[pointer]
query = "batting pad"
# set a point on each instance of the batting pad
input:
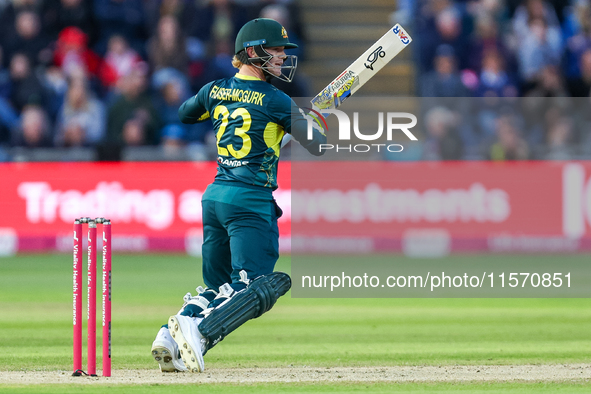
(259, 297)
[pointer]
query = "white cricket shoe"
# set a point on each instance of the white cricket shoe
(165, 351)
(185, 332)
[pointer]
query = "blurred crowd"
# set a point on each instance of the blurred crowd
(525, 64)
(500, 79)
(110, 74)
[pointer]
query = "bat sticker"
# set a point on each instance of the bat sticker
(373, 57)
(403, 37)
(337, 92)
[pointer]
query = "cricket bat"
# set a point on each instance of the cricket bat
(360, 71)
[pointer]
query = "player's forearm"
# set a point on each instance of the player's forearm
(299, 131)
(191, 111)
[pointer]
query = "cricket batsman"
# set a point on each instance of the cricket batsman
(240, 233)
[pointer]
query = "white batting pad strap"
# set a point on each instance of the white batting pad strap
(225, 291)
(206, 312)
(201, 302)
(244, 277)
(200, 290)
(186, 299)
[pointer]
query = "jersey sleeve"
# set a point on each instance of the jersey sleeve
(194, 109)
(294, 121)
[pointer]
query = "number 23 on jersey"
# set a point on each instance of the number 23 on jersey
(229, 149)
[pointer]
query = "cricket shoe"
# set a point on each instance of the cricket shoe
(166, 352)
(185, 332)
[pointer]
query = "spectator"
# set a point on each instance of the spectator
(534, 10)
(539, 47)
(8, 116)
(577, 36)
(581, 87)
(222, 59)
(446, 29)
(132, 118)
(540, 114)
(226, 19)
(173, 139)
(444, 81)
(187, 13)
(35, 129)
(26, 86)
(81, 118)
(495, 9)
(215, 67)
(4, 77)
(404, 14)
(218, 19)
(559, 143)
(56, 83)
(486, 39)
(508, 144)
(466, 43)
(72, 134)
(60, 14)
(442, 142)
(171, 96)
(173, 90)
(8, 17)
(119, 60)
(29, 40)
(174, 134)
(167, 49)
(202, 23)
(135, 130)
(548, 83)
(72, 54)
(494, 80)
(155, 9)
(122, 17)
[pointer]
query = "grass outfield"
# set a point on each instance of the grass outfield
(36, 328)
(447, 388)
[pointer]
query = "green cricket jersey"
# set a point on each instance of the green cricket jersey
(250, 117)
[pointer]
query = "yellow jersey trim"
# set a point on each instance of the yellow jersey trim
(246, 77)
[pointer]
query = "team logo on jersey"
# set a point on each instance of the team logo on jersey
(232, 163)
(283, 32)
